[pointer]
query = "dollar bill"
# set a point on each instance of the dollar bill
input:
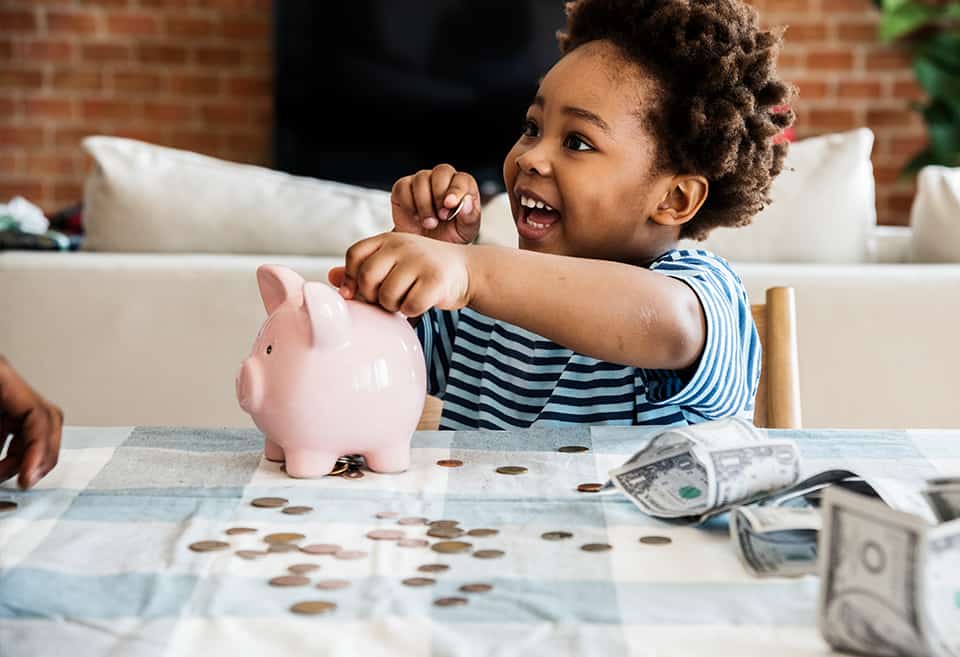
(889, 580)
(943, 496)
(776, 541)
(704, 469)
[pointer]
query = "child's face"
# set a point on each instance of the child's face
(585, 153)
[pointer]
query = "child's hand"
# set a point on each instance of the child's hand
(422, 203)
(405, 273)
(35, 424)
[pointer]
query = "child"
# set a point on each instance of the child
(656, 124)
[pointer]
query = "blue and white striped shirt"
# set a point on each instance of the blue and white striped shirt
(495, 375)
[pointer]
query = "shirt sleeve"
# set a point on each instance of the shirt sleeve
(724, 381)
(436, 332)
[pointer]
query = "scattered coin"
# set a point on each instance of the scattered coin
(573, 449)
(413, 543)
(445, 532)
(387, 514)
(289, 580)
(433, 568)
(480, 533)
(313, 607)
(450, 463)
(450, 602)
(450, 547)
(555, 536)
(656, 540)
(596, 547)
(488, 554)
(303, 568)
(269, 502)
(296, 510)
(240, 530)
(332, 584)
(511, 469)
(443, 523)
(589, 488)
(419, 581)
(349, 555)
(339, 468)
(208, 546)
(7, 505)
(283, 537)
(250, 555)
(412, 521)
(321, 548)
(282, 547)
(476, 588)
(385, 534)
(352, 474)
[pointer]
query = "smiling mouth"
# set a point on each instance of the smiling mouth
(536, 218)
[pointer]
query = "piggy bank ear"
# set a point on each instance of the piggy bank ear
(278, 285)
(329, 317)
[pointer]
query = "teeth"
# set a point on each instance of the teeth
(539, 204)
(535, 224)
(528, 202)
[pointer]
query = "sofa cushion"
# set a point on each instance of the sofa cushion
(823, 207)
(935, 216)
(141, 197)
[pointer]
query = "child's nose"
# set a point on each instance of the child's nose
(535, 161)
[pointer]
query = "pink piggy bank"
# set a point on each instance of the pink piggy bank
(329, 377)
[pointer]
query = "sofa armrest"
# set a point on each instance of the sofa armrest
(889, 244)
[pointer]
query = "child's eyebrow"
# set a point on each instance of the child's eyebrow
(578, 112)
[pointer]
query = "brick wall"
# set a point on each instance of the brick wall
(196, 74)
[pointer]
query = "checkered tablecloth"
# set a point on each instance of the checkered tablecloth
(95, 562)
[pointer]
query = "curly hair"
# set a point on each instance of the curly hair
(721, 104)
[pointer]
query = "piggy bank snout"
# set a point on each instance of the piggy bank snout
(250, 386)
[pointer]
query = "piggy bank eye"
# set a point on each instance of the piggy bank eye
(269, 349)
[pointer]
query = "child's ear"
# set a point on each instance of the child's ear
(684, 196)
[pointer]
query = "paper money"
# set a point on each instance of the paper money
(943, 496)
(704, 469)
(889, 580)
(776, 541)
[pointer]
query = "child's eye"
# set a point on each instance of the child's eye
(529, 128)
(575, 142)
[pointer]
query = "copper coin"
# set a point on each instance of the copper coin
(443, 523)
(280, 548)
(589, 488)
(313, 607)
(250, 555)
(450, 547)
(419, 581)
(656, 540)
(445, 532)
(349, 555)
(332, 584)
(596, 547)
(573, 449)
(450, 602)
(555, 536)
(385, 535)
(269, 502)
(7, 505)
(338, 469)
(488, 554)
(481, 533)
(476, 588)
(387, 514)
(412, 521)
(289, 580)
(433, 568)
(353, 474)
(511, 469)
(296, 510)
(303, 568)
(450, 463)
(240, 530)
(283, 537)
(321, 548)
(208, 546)
(413, 543)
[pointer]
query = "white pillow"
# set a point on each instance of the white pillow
(823, 209)
(935, 216)
(142, 197)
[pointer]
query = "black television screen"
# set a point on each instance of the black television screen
(367, 91)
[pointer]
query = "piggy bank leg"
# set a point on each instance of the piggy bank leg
(389, 459)
(272, 451)
(307, 463)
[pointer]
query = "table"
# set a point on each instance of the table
(95, 560)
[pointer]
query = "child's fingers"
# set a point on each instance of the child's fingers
(440, 179)
(423, 200)
(395, 286)
(336, 275)
(418, 300)
(460, 185)
(371, 275)
(403, 207)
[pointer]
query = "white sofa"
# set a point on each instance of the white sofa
(157, 338)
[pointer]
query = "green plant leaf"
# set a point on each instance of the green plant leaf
(902, 17)
(922, 159)
(943, 48)
(938, 82)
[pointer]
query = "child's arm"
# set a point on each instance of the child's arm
(607, 310)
